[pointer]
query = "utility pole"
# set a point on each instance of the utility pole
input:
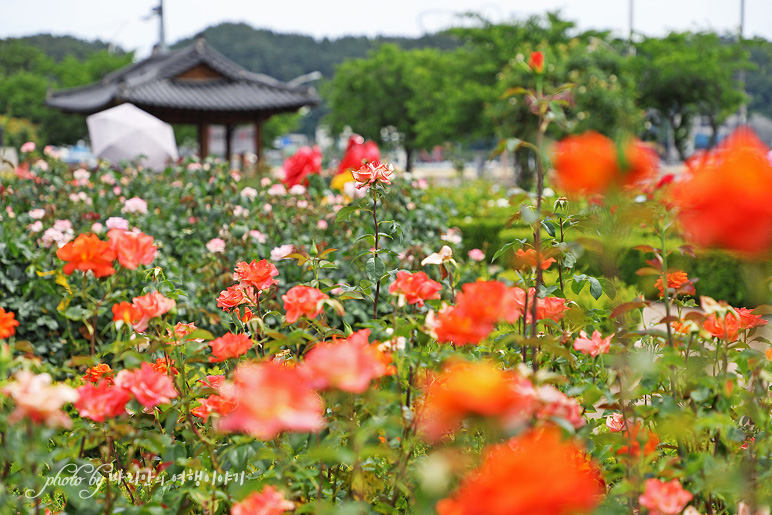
(630, 47)
(743, 107)
(161, 35)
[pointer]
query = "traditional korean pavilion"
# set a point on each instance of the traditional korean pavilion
(194, 85)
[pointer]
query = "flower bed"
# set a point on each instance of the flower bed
(194, 365)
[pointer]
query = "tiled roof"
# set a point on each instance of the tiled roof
(152, 83)
(214, 95)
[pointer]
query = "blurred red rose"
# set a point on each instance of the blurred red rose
(358, 153)
(303, 163)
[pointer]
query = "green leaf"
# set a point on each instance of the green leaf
(76, 313)
(700, 395)
(549, 226)
(345, 213)
(608, 288)
(578, 283)
(596, 290)
(502, 250)
(199, 334)
(568, 261)
(528, 213)
(375, 268)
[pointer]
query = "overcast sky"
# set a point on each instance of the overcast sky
(126, 23)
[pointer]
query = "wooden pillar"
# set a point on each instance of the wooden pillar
(228, 138)
(203, 140)
(259, 141)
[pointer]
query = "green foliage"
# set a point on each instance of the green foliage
(720, 276)
(186, 210)
(17, 131)
(590, 76)
(60, 47)
(685, 75)
(286, 56)
(26, 75)
(487, 49)
(388, 97)
(758, 81)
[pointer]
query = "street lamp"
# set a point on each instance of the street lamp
(302, 79)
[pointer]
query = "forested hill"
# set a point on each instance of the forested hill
(60, 47)
(283, 56)
(286, 56)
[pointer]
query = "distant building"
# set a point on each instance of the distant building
(194, 85)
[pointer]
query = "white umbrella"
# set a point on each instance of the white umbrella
(125, 132)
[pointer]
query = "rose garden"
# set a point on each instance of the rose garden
(204, 340)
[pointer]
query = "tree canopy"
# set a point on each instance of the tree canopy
(685, 75)
(445, 87)
(27, 72)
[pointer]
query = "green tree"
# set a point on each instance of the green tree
(26, 75)
(487, 49)
(17, 56)
(685, 75)
(387, 96)
(758, 82)
(601, 96)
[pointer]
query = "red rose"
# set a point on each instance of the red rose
(536, 62)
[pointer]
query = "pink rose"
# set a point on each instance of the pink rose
(592, 346)
(476, 255)
(149, 386)
(135, 205)
(279, 253)
(257, 236)
(216, 246)
(615, 422)
(116, 222)
(38, 400)
(664, 498)
(372, 173)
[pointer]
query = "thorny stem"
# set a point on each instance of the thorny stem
(205, 441)
(378, 283)
(688, 348)
(560, 270)
(537, 231)
(665, 288)
(525, 328)
(120, 467)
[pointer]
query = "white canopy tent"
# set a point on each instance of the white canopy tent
(126, 132)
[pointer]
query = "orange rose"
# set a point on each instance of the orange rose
(302, 300)
(724, 201)
(132, 248)
(675, 281)
(536, 62)
(415, 288)
(229, 346)
(86, 253)
(8, 323)
(258, 274)
(553, 477)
